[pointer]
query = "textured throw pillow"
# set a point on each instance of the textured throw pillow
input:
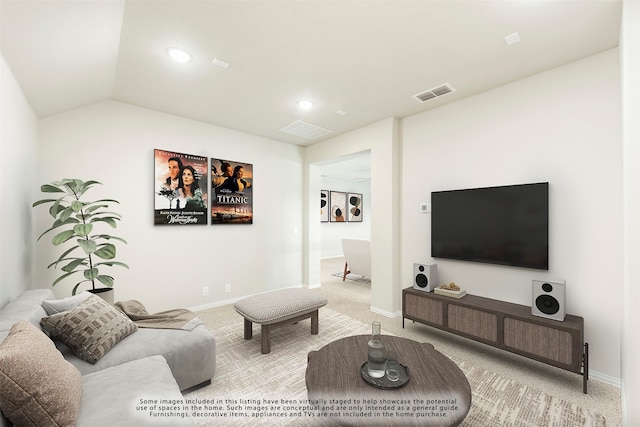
(91, 329)
(53, 306)
(37, 386)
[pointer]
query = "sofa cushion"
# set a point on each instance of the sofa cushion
(191, 355)
(91, 329)
(112, 396)
(26, 306)
(53, 306)
(37, 386)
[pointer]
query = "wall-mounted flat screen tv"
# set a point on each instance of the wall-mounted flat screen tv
(507, 225)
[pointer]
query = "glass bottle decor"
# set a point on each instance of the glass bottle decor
(376, 353)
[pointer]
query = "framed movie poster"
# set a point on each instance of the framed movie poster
(324, 206)
(180, 188)
(354, 212)
(338, 201)
(231, 192)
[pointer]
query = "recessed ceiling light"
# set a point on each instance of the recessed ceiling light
(178, 55)
(305, 104)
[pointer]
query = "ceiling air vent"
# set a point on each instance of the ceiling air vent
(434, 92)
(304, 130)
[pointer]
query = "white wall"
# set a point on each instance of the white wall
(562, 126)
(18, 140)
(382, 139)
(334, 232)
(630, 48)
(113, 143)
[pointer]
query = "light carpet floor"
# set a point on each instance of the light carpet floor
(245, 377)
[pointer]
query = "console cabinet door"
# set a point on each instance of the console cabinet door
(549, 343)
(423, 309)
(476, 323)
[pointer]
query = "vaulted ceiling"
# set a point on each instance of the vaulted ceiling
(358, 62)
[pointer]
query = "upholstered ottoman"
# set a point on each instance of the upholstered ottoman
(277, 308)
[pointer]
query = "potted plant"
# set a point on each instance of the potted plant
(76, 221)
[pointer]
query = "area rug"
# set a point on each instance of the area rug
(245, 378)
(497, 401)
(354, 277)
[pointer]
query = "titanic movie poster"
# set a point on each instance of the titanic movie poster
(180, 188)
(231, 192)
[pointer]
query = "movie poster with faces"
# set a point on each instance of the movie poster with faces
(231, 192)
(180, 188)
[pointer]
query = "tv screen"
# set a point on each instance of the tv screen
(506, 225)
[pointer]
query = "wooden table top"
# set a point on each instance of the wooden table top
(437, 394)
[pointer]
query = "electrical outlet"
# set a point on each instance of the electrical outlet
(227, 287)
(205, 291)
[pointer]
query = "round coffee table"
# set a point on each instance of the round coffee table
(437, 393)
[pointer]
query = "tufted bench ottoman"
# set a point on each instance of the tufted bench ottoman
(277, 308)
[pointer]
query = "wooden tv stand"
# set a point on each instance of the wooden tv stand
(504, 325)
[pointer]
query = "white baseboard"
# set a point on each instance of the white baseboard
(214, 304)
(385, 313)
(608, 379)
(236, 299)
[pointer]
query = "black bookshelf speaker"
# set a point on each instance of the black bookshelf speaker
(548, 300)
(425, 277)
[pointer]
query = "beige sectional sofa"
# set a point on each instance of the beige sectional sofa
(141, 367)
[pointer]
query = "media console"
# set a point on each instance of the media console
(510, 327)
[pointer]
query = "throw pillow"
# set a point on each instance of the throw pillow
(53, 306)
(91, 329)
(37, 386)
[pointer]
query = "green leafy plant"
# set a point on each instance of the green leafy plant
(78, 219)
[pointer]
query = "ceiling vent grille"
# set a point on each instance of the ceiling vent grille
(305, 130)
(435, 92)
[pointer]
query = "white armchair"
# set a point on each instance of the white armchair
(357, 256)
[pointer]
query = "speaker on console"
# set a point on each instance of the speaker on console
(548, 300)
(425, 277)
